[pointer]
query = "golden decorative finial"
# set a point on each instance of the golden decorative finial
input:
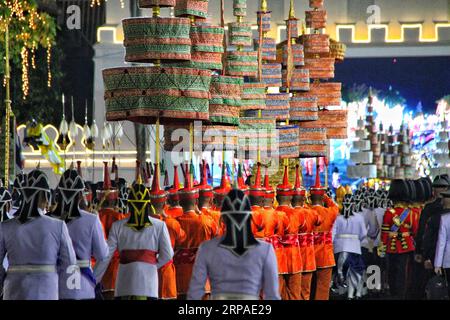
(292, 10)
(139, 179)
(264, 7)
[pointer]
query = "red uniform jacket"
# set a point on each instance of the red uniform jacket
(402, 240)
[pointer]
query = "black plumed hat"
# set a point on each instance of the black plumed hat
(399, 190)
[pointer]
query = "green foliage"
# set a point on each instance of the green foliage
(445, 98)
(357, 92)
(35, 30)
(43, 103)
(392, 98)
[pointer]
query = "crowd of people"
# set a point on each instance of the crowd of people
(242, 241)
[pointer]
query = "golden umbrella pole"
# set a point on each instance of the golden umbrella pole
(7, 106)
(290, 62)
(261, 38)
(157, 143)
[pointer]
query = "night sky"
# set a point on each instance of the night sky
(425, 79)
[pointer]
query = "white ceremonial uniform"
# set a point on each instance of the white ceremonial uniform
(88, 241)
(442, 257)
(231, 276)
(36, 250)
(137, 278)
(349, 233)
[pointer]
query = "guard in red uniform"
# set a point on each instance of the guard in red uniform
(306, 238)
(291, 277)
(206, 196)
(323, 244)
(198, 227)
(397, 236)
(221, 191)
(173, 208)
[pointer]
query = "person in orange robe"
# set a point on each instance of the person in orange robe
(323, 244)
(167, 280)
(261, 227)
(107, 197)
(291, 278)
(198, 227)
(206, 196)
(219, 193)
(278, 223)
(173, 208)
(306, 238)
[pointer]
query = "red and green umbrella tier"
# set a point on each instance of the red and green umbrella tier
(316, 43)
(240, 34)
(320, 68)
(288, 141)
(312, 142)
(269, 49)
(207, 48)
(240, 8)
(264, 20)
(298, 55)
(277, 107)
(303, 109)
(242, 64)
(226, 100)
(156, 3)
(299, 80)
(142, 94)
(195, 8)
(316, 19)
(149, 39)
(254, 96)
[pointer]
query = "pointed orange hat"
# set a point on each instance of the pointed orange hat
(298, 188)
(173, 192)
(188, 192)
(156, 194)
(257, 189)
(204, 188)
(285, 188)
(240, 181)
(270, 192)
(317, 189)
(225, 184)
(107, 187)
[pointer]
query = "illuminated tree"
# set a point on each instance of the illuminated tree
(29, 30)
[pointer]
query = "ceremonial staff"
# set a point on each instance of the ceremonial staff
(8, 110)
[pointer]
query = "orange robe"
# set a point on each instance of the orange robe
(107, 217)
(290, 279)
(199, 228)
(323, 246)
(306, 240)
(174, 212)
(269, 226)
(215, 215)
(167, 274)
(296, 225)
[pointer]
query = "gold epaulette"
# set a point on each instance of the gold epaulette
(392, 210)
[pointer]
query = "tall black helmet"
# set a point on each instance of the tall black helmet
(236, 213)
